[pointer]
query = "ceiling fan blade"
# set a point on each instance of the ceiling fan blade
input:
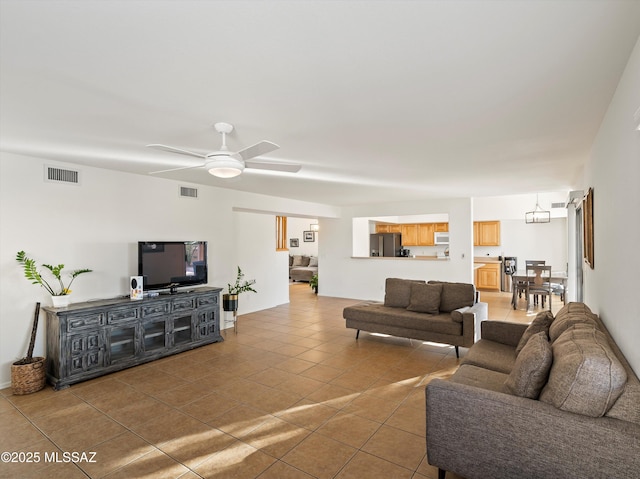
(176, 169)
(256, 150)
(272, 165)
(176, 150)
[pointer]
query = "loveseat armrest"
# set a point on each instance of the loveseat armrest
(503, 332)
(479, 433)
(472, 317)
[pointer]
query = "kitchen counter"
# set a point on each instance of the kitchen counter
(487, 260)
(404, 258)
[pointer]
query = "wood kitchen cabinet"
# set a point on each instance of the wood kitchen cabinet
(425, 234)
(409, 235)
(382, 228)
(488, 277)
(486, 233)
(441, 227)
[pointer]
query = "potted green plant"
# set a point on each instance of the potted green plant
(28, 373)
(59, 293)
(313, 283)
(230, 299)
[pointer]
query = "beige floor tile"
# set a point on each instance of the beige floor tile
(308, 414)
(409, 419)
(240, 420)
(276, 437)
(209, 407)
(384, 444)
(372, 407)
(169, 426)
(319, 456)
(282, 470)
(115, 453)
(193, 449)
(364, 465)
(238, 461)
(350, 429)
(154, 465)
(83, 436)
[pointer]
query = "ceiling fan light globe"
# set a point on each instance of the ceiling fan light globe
(225, 167)
(225, 171)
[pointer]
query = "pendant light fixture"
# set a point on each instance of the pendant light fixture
(538, 215)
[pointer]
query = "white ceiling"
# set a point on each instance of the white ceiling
(379, 101)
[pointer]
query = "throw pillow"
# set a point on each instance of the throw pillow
(398, 292)
(290, 261)
(425, 298)
(541, 323)
(455, 295)
(531, 369)
(305, 261)
(586, 376)
(297, 260)
(313, 261)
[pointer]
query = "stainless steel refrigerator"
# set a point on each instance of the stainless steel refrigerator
(385, 244)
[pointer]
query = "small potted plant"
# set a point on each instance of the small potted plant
(313, 283)
(230, 299)
(59, 294)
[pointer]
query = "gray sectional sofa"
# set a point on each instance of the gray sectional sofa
(435, 311)
(302, 267)
(555, 399)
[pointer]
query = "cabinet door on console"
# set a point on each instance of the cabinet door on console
(86, 352)
(207, 323)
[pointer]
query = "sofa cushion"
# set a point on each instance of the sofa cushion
(305, 261)
(585, 377)
(290, 261)
(378, 314)
(398, 292)
(313, 261)
(491, 355)
(541, 322)
(479, 377)
(425, 298)
(570, 314)
(297, 260)
(531, 369)
(456, 295)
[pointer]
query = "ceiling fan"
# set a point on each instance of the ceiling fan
(228, 164)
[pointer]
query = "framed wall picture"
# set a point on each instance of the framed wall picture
(294, 242)
(587, 217)
(309, 236)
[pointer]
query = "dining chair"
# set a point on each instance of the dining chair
(534, 262)
(539, 284)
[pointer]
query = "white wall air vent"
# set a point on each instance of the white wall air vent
(558, 205)
(186, 192)
(54, 174)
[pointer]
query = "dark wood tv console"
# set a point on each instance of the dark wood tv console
(87, 340)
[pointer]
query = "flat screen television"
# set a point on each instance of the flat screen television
(172, 264)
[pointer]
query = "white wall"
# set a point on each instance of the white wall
(611, 288)
(95, 226)
(341, 275)
(295, 229)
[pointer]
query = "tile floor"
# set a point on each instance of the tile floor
(292, 395)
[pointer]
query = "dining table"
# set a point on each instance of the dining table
(559, 277)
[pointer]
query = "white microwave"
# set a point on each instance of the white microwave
(441, 237)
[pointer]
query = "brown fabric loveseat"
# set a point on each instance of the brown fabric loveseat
(436, 311)
(302, 268)
(553, 399)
